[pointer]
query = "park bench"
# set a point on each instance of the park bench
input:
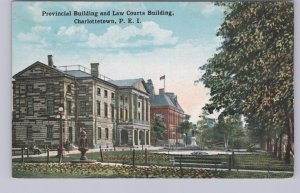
(203, 161)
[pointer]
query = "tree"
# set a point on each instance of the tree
(185, 126)
(252, 73)
(158, 128)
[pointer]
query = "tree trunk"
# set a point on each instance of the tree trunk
(276, 146)
(280, 146)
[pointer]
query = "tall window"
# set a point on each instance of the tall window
(112, 95)
(29, 88)
(49, 131)
(106, 133)
(126, 114)
(126, 99)
(112, 111)
(69, 107)
(29, 132)
(105, 93)
(121, 113)
(139, 104)
(68, 88)
(139, 116)
(50, 107)
(50, 88)
(99, 133)
(98, 108)
(82, 108)
(29, 105)
(105, 109)
(98, 91)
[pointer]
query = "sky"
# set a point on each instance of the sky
(174, 46)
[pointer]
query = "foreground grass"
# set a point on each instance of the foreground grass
(38, 170)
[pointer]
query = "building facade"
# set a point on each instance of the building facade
(166, 105)
(89, 100)
(133, 109)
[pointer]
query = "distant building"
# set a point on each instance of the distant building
(89, 99)
(167, 105)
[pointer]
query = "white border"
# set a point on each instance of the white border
(9, 184)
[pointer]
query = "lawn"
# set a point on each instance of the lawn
(155, 166)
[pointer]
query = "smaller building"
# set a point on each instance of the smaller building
(166, 105)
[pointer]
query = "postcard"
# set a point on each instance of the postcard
(152, 89)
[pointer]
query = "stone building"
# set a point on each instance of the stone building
(133, 112)
(165, 104)
(89, 100)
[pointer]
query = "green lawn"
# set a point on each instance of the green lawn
(37, 167)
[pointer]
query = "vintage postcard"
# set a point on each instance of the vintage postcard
(152, 89)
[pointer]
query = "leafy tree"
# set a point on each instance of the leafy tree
(158, 128)
(252, 73)
(185, 126)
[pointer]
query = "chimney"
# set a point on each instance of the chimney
(50, 60)
(161, 91)
(95, 69)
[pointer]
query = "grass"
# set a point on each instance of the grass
(36, 167)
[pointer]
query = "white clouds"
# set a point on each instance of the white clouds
(36, 11)
(37, 35)
(72, 30)
(150, 33)
(204, 8)
(28, 37)
(40, 28)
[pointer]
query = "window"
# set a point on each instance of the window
(68, 88)
(82, 108)
(50, 88)
(112, 111)
(139, 104)
(126, 114)
(105, 109)
(29, 105)
(112, 95)
(49, 131)
(99, 133)
(50, 107)
(29, 88)
(121, 113)
(69, 107)
(98, 108)
(106, 133)
(139, 116)
(105, 93)
(126, 99)
(29, 132)
(121, 98)
(82, 90)
(98, 91)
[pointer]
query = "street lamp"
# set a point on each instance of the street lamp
(60, 149)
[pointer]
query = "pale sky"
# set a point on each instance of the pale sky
(174, 46)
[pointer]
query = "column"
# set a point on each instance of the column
(149, 106)
(120, 137)
(149, 137)
(145, 137)
(133, 137)
(136, 106)
(138, 137)
(130, 107)
(143, 109)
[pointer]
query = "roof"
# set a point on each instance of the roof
(165, 99)
(126, 82)
(77, 73)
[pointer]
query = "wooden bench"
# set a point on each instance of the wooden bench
(204, 161)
